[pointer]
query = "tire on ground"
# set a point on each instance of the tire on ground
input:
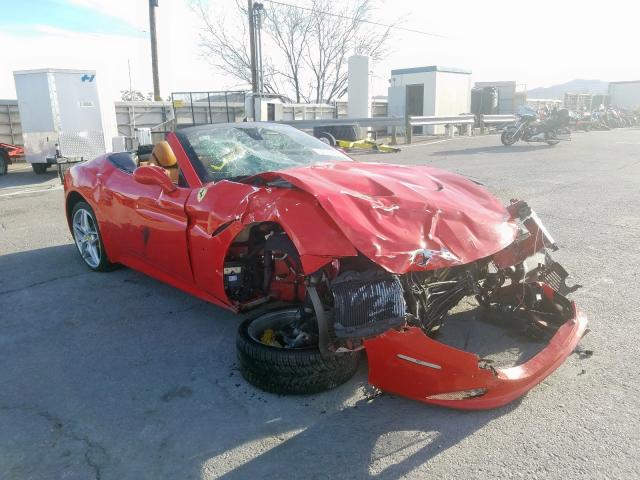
(105, 265)
(291, 371)
(507, 139)
(4, 162)
(328, 139)
(39, 168)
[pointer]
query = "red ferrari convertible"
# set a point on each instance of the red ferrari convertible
(333, 256)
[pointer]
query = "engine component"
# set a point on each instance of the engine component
(233, 275)
(431, 294)
(366, 304)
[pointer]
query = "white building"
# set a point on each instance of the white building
(625, 94)
(429, 91)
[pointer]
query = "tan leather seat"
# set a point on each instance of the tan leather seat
(163, 156)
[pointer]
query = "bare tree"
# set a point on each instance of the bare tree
(135, 96)
(224, 45)
(334, 39)
(289, 28)
(307, 47)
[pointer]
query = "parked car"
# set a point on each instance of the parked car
(330, 257)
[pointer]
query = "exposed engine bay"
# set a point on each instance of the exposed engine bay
(352, 299)
(263, 264)
(356, 303)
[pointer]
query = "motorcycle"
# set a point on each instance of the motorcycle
(552, 130)
(599, 120)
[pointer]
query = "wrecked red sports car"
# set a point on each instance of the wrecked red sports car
(333, 256)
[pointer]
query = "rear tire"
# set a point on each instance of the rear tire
(296, 371)
(553, 141)
(39, 168)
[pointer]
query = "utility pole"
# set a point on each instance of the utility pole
(154, 50)
(252, 45)
(257, 17)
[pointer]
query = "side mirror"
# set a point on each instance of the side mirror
(154, 175)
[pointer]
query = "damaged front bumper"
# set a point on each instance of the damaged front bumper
(409, 363)
(526, 291)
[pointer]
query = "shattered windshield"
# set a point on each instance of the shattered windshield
(232, 151)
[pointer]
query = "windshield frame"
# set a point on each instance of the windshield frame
(201, 170)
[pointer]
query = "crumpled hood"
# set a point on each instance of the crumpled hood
(407, 217)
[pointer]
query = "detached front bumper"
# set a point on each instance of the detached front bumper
(409, 363)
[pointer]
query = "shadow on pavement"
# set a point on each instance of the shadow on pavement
(117, 375)
(383, 438)
(493, 149)
(23, 177)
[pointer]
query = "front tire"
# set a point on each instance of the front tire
(280, 370)
(508, 138)
(86, 235)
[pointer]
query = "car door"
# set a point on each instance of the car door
(162, 224)
(146, 226)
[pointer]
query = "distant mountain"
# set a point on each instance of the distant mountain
(574, 86)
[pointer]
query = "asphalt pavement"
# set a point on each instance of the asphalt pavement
(118, 376)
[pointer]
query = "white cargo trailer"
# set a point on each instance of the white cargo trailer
(60, 114)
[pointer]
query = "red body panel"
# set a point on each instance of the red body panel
(394, 213)
(315, 236)
(459, 370)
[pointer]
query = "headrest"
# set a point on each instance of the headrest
(163, 155)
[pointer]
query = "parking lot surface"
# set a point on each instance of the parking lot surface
(117, 376)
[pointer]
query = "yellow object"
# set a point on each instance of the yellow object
(268, 338)
(367, 145)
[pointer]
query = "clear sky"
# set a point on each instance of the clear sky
(535, 43)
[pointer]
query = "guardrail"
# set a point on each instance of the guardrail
(411, 122)
(393, 122)
(497, 118)
(376, 122)
(494, 119)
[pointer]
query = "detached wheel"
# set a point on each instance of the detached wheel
(39, 168)
(327, 138)
(86, 235)
(268, 362)
(4, 162)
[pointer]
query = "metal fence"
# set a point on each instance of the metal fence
(199, 108)
(134, 115)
